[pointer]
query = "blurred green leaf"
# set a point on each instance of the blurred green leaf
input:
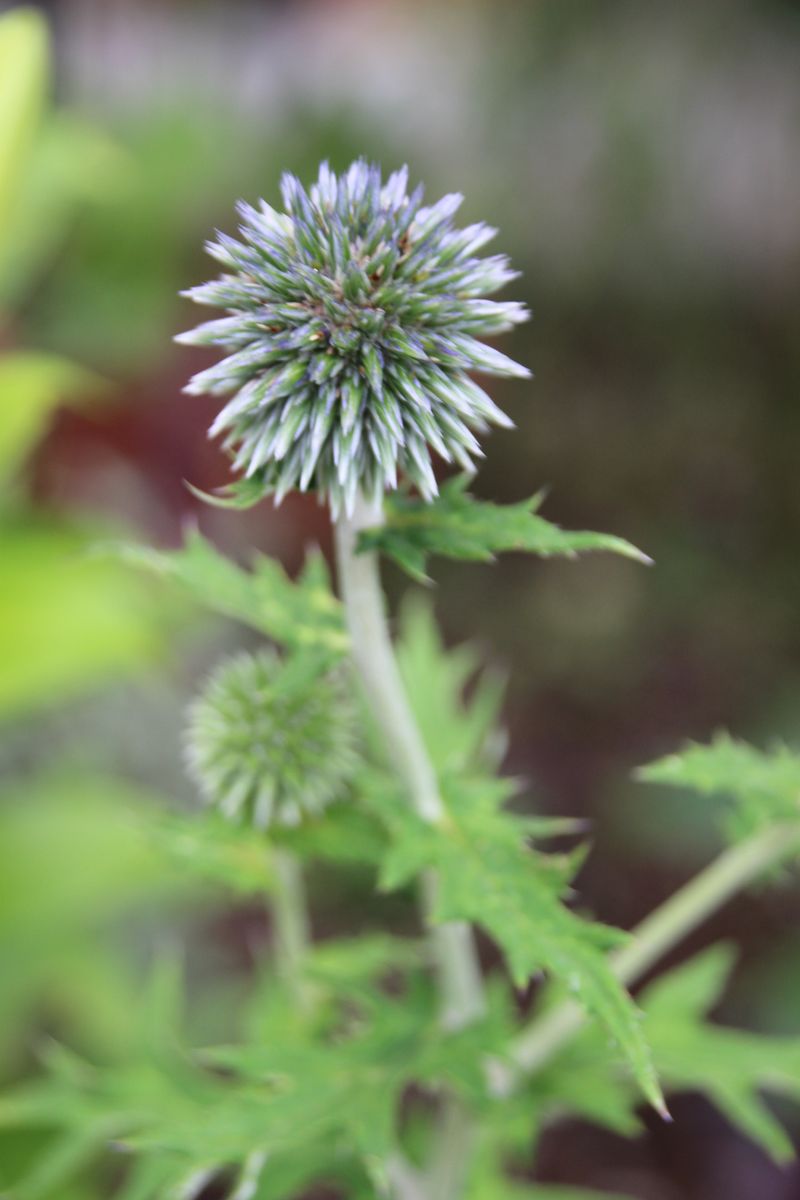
(75, 853)
(459, 526)
(31, 386)
(72, 164)
(729, 1065)
(764, 785)
(302, 614)
(212, 848)
(67, 621)
(344, 834)
(24, 71)
(317, 1090)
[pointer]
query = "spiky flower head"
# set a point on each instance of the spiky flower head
(271, 740)
(353, 323)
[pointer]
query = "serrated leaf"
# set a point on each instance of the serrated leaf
(457, 525)
(488, 877)
(729, 1065)
(764, 785)
(460, 735)
(298, 614)
(313, 1094)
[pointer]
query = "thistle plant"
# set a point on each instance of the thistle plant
(379, 1065)
(354, 319)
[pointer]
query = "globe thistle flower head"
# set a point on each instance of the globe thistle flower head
(271, 740)
(353, 323)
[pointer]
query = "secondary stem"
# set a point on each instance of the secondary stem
(664, 928)
(453, 944)
(290, 915)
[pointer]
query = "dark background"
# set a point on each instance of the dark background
(643, 164)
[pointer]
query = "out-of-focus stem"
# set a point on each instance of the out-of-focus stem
(728, 874)
(290, 917)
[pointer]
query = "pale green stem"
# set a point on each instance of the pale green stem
(453, 944)
(728, 874)
(450, 1168)
(290, 917)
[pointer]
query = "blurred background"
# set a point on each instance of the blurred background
(643, 164)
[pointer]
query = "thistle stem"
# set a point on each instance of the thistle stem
(450, 1167)
(290, 916)
(453, 945)
(678, 916)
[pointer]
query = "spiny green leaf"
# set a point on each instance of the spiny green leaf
(487, 876)
(729, 1065)
(300, 614)
(457, 525)
(319, 1087)
(765, 785)
(459, 735)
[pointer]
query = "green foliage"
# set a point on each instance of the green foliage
(74, 171)
(23, 85)
(459, 526)
(300, 615)
(313, 1093)
(31, 385)
(56, 642)
(730, 1066)
(459, 735)
(486, 875)
(763, 785)
(207, 847)
(77, 852)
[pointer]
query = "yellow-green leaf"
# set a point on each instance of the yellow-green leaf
(24, 69)
(31, 386)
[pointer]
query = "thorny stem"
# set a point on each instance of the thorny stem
(728, 874)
